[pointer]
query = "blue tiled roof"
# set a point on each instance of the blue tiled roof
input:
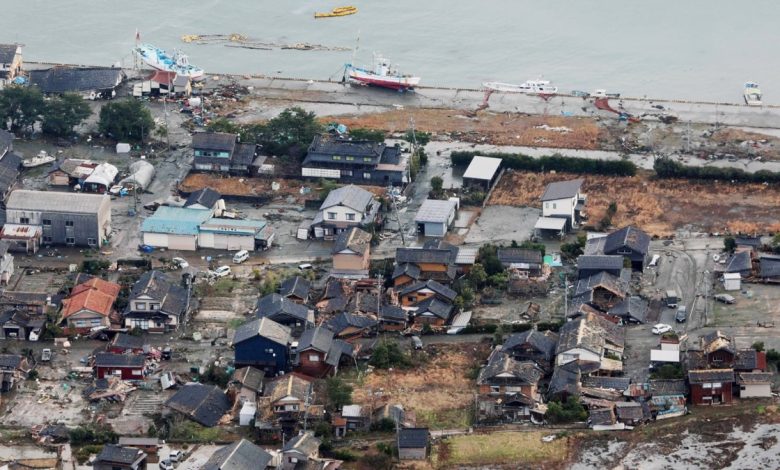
(175, 220)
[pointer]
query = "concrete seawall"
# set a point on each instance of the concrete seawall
(466, 99)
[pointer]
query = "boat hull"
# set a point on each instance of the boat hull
(159, 60)
(512, 88)
(360, 77)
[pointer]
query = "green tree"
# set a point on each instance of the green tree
(374, 135)
(339, 392)
(569, 411)
(421, 137)
(477, 275)
(62, 114)
(290, 133)
(574, 249)
(388, 354)
(222, 124)
(126, 119)
(22, 106)
(437, 186)
(668, 372)
(488, 257)
(729, 244)
(758, 346)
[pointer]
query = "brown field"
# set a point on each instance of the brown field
(657, 206)
(490, 128)
(243, 186)
(438, 391)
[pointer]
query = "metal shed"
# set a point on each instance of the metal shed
(482, 172)
(732, 281)
(141, 175)
(435, 217)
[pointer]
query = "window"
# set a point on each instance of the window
(367, 159)
(350, 216)
(314, 358)
(47, 239)
(70, 241)
(411, 298)
(624, 251)
(706, 385)
(366, 175)
(346, 172)
(331, 216)
(69, 223)
(546, 205)
(717, 385)
(336, 157)
(46, 221)
(555, 205)
(495, 389)
(24, 220)
(140, 305)
(350, 159)
(91, 242)
(154, 306)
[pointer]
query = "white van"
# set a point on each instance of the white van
(241, 256)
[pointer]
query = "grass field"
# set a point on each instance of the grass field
(519, 448)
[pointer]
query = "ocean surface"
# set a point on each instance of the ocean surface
(692, 49)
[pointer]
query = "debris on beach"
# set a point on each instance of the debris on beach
(240, 40)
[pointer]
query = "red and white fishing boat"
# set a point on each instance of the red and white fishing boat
(383, 75)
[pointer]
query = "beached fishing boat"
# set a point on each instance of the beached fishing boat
(159, 59)
(383, 75)
(534, 87)
(752, 94)
(338, 11)
(42, 158)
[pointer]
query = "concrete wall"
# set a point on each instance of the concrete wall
(434, 229)
(559, 207)
(755, 390)
(412, 454)
(341, 214)
(347, 262)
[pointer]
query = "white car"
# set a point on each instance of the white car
(661, 328)
(180, 263)
(221, 271)
(166, 465)
(175, 455)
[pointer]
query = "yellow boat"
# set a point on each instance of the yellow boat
(338, 11)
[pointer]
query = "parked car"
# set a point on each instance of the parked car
(725, 298)
(166, 465)
(661, 328)
(180, 263)
(417, 342)
(176, 455)
(671, 298)
(221, 271)
(241, 256)
(682, 314)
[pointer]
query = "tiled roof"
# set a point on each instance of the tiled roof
(668, 387)
(413, 438)
(7, 53)
(754, 377)
(319, 338)
(275, 306)
(607, 262)
(118, 360)
(240, 455)
(562, 189)
(204, 404)
(631, 237)
(76, 79)
(205, 197)
(158, 286)
(750, 359)
(345, 320)
(95, 295)
(354, 239)
(125, 341)
(710, 375)
(519, 255)
(434, 306)
(264, 327)
(538, 340)
(739, 262)
(293, 384)
(296, 286)
(304, 443)
(770, 266)
(350, 196)
(436, 287)
(116, 454)
(423, 255)
(249, 377)
(629, 410)
(221, 141)
(503, 365)
(614, 383)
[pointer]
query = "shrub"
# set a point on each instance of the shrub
(383, 425)
(668, 168)
(758, 346)
(339, 392)
(773, 356)
(569, 411)
(553, 162)
(374, 135)
(549, 326)
(387, 355)
(729, 244)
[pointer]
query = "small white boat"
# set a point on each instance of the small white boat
(382, 75)
(752, 94)
(534, 87)
(41, 159)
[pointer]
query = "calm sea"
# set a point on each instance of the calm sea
(692, 49)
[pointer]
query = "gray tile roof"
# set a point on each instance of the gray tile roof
(391, 312)
(220, 141)
(243, 155)
(437, 287)
(607, 262)
(589, 332)
(668, 387)
(631, 237)
(264, 327)
(633, 309)
(10, 361)
(749, 359)
(519, 255)
(249, 377)
(206, 197)
(739, 262)
(423, 255)
(305, 443)
(354, 239)
(629, 410)
(562, 189)
(435, 211)
(770, 266)
(240, 455)
(754, 377)
(710, 375)
(754, 242)
(6, 140)
(7, 53)
(537, 340)
(23, 199)
(601, 279)
(614, 383)
(602, 416)
(204, 404)
(344, 320)
(274, 306)
(434, 306)
(295, 286)
(318, 338)
(111, 453)
(157, 285)
(503, 364)
(408, 269)
(350, 196)
(76, 79)
(293, 384)
(118, 360)
(413, 438)
(122, 340)
(337, 350)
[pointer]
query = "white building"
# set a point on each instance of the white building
(561, 200)
(732, 281)
(435, 217)
(344, 208)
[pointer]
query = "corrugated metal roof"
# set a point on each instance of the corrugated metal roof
(562, 189)
(175, 220)
(550, 223)
(482, 168)
(435, 211)
(51, 201)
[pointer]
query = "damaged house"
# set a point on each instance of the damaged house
(628, 242)
(156, 303)
(319, 354)
(284, 311)
(204, 404)
(592, 338)
(508, 389)
(436, 261)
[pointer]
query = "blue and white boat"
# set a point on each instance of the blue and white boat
(159, 59)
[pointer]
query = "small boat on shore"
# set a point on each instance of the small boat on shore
(533, 87)
(338, 11)
(178, 63)
(383, 75)
(42, 158)
(752, 94)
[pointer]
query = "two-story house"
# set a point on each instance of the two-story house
(589, 265)
(35, 218)
(628, 242)
(719, 350)
(156, 303)
(89, 305)
(351, 253)
(562, 206)
(525, 262)
(264, 344)
(355, 161)
(344, 208)
(711, 386)
(532, 345)
(432, 261)
(591, 338)
(296, 288)
(221, 152)
(414, 293)
(284, 311)
(114, 457)
(319, 354)
(302, 451)
(602, 291)
(507, 388)
(10, 63)
(289, 395)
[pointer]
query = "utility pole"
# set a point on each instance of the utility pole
(398, 218)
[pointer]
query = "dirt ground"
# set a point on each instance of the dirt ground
(437, 391)
(660, 207)
(497, 129)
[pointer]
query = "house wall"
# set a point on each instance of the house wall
(83, 320)
(391, 326)
(432, 320)
(574, 354)
(402, 280)
(59, 178)
(341, 214)
(224, 241)
(127, 373)
(414, 297)
(345, 261)
(152, 325)
(755, 391)
(706, 396)
(433, 229)
(259, 352)
(638, 260)
(559, 208)
(208, 166)
(412, 454)
(525, 389)
(84, 229)
(312, 363)
(432, 267)
(719, 358)
(171, 241)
